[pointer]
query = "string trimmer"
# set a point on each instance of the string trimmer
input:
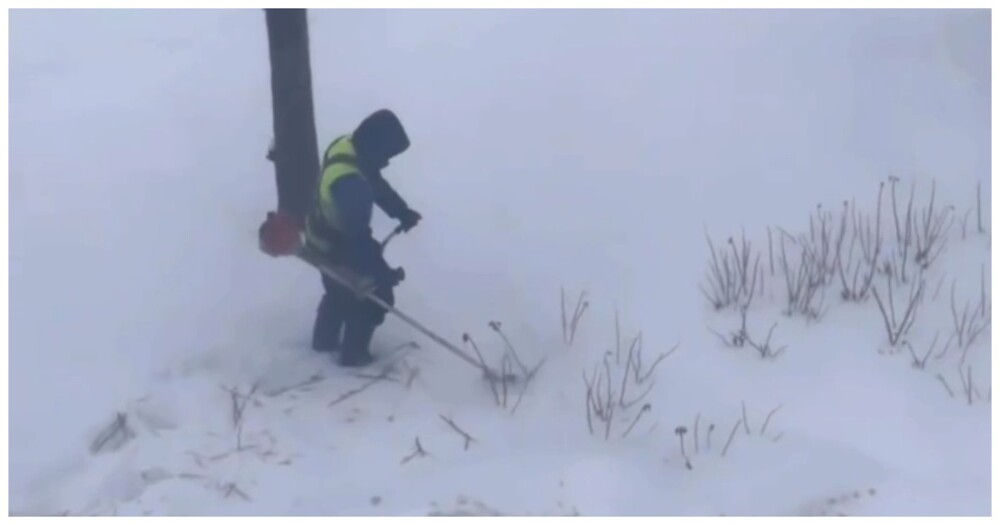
(272, 230)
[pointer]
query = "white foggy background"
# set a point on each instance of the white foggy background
(587, 149)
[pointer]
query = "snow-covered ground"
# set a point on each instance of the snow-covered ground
(590, 151)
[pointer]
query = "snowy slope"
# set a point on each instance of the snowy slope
(578, 150)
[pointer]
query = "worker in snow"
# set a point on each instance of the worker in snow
(339, 227)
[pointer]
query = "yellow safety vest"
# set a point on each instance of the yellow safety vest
(339, 161)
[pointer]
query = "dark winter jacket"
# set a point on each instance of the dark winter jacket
(356, 190)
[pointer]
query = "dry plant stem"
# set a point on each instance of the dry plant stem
(493, 387)
(768, 419)
(876, 249)
(645, 408)
(918, 362)
(465, 435)
(965, 327)
(505, 370)
(231, 488)
(770, 251)
(652, 368)
(708, 438)
(937, 290)
(967, 385)
(730, 272)
(316, 378)
(589, 398)
(931, 239)
(418, 452)
(697, 418)
(629, 404)
(895, 214)
(118, 427)
(903, 238)
(731, 436)
(510, 348)
(601, 403)
(527, 382)
(628, 366)
(983, 305)
(947, 345)
(765, 348)
(351, 393)
(951, 393)
(742, 262)
(411, 375)
(239, 402)
(562, 307)
(746, 425)
(569, 327)
(610, 406)
(897, 329)
(965, 223)
(979, 206)
(803, 283)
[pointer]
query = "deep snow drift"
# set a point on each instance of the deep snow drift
(579, 150)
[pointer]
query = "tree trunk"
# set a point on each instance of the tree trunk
(294, 152)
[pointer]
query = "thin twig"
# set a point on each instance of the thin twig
(731, 436)
(312, 380)
(351, 393)
(418, 452)
(468, 439)
(492, 382)
(527, 382)
(768, 419)
(645, 408)
(697, 417)
(979, 206)
(652, 368)
(945, 383)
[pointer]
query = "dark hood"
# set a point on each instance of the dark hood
(379, 138)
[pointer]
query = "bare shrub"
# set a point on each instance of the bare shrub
(804, 281)
(570, 325)
(741, 338)
(896, 328)
(418, 452)
(972, 322)
(930, 229)
(503, 385)
(731, 276)
(921, 362)
(114, 436)
(608, 386)
(857, 275)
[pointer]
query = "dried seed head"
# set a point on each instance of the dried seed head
(680, 431)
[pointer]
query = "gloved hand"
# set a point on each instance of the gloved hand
(394, 277)
(409, 219)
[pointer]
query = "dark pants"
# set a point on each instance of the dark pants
(341, 310)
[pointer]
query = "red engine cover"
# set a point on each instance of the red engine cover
(280, 234)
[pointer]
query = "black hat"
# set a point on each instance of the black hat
(380, 137)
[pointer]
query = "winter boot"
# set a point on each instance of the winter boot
(357, 338)
(329, 323)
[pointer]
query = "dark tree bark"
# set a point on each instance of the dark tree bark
(295, 153)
